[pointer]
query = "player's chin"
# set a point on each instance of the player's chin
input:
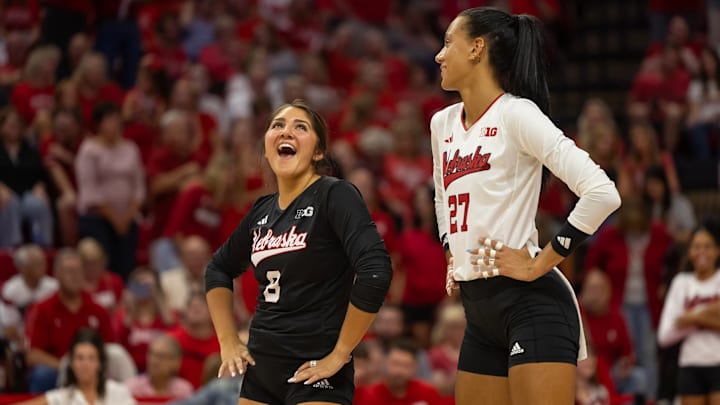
(446, 85)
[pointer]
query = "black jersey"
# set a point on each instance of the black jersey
(310, 260)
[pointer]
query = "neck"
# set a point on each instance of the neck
(160, 383)
(87, 386)
(704, 274)
(289, 189)
(32, 283)
(72, 301)
(478, 95)
(398, 391)
(200, 331)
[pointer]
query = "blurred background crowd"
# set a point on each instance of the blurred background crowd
(131, 146)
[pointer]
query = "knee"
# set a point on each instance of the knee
(35, 207)
(42, 378)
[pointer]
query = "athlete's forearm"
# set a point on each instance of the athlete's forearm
(544, 261)
(220, 303)
(353, 329)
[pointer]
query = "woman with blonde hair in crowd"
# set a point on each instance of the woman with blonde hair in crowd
(447, 339)
(93, 85)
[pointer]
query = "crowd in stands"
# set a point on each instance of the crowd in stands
(130, 148)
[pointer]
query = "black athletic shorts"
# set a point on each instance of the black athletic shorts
(698, 380)
(514, 322)
(266, 382)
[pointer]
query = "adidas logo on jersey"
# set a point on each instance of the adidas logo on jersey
(516, 349)
(323, 384)
(449, 140)
(564, 241)
(263, 221)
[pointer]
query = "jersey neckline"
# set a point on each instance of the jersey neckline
(462, 113)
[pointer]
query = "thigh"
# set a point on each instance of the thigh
(542, 384)
(245, 401)
(338, 389)
(693, 400)
(480, 389)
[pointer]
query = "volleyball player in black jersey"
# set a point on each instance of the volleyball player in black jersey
(323, 272)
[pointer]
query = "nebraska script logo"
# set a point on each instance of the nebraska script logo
(458, 166)
(269, 244)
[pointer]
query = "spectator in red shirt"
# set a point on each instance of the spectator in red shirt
(59, 151)
(17, 47)
(422, 267)
(448, 334)
(94, 86)
(632, 253)
(588, 390)
(143, 107)
(609, 334)
(369, 361)
(34, 93)
(364, 180)
(197, 338)
(185, 97)
(172, 168)
(105, 286)
(144, 315)
(51, 324)
(214, 56)
(399, 385)
(167, 46)
(406, 168)
(644, 152)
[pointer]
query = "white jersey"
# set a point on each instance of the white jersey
(487, 178)
(700, 347)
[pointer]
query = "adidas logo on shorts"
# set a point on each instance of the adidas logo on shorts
(516, 349)
(323, 384)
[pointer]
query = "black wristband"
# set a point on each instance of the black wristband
(567, 239)
(445, 243)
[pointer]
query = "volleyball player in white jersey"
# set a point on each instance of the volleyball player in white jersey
(691, 315)
(523, 337)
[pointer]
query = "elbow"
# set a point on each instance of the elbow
(613, 200)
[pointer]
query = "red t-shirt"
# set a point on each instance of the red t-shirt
(423, 259)
(418, 392)
(195, 213)
(610, 336)
(51, 326)
(137, 338)
(50, 160)
(28, 100)
(109, 290)
(20, 17)
(195, 352)
(110, 92)
(402, 176)
(386, 228)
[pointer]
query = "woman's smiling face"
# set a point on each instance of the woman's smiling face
(291, 144)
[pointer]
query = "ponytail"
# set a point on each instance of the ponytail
(516, 51)
(527, 72)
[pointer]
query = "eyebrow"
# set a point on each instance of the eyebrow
(281, 119)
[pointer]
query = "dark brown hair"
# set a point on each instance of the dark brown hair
(91, 336)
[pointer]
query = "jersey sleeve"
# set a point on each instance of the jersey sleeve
(438, 177)
(349, 218)
(537, 136)
(668, 332)
(231, 259)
